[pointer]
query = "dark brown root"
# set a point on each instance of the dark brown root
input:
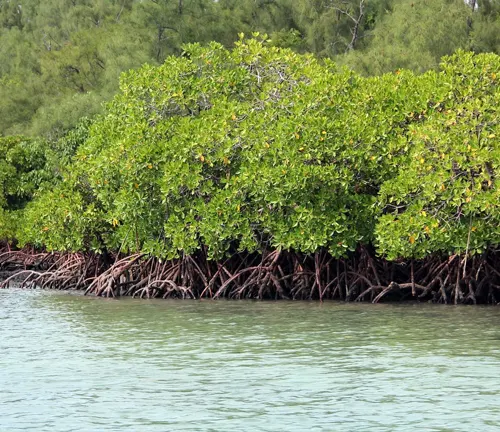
(273, 274)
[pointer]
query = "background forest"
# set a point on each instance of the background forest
(61, 59)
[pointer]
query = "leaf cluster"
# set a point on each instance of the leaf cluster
(259, 147)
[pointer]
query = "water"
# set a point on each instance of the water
(73, 363)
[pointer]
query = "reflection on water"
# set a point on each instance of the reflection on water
(73, 363)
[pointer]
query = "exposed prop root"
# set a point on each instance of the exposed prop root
(273, 274)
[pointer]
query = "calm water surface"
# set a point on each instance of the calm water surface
(73, 363)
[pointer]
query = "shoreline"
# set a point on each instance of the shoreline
(274, 275)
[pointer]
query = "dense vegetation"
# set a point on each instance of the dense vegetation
(259, 170)
(336, 155)
(61, 59)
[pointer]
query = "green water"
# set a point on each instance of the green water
(72, 363)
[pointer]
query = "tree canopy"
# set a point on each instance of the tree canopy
(260, 148)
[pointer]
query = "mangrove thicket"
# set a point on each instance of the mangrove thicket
(258, 172)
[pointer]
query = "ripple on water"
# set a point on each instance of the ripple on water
(72, 363)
